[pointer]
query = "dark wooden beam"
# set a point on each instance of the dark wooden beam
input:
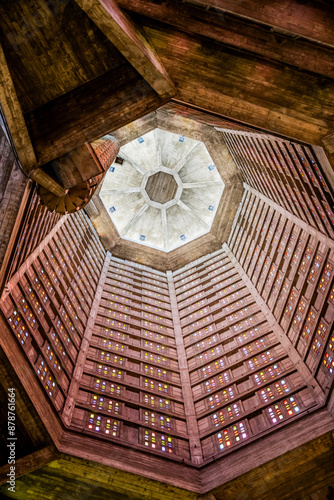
(30, 462)
(52, 47)
(118, 28)
(44, 179)
(15, 120)
(19, 132)
(311, 20)
(102, 105)
(234, 32)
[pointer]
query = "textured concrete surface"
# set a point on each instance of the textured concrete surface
(165, 193)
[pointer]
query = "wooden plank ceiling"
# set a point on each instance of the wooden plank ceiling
(271, 67)
(68, 81)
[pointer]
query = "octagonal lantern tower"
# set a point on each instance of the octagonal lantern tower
(165, 192)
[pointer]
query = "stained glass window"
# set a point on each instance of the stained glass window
(158, 442)
(19, 327)
(101, 424)
(328, 361)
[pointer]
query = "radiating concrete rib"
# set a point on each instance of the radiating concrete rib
(199, 184)
(181, 163)
(132, 163)
(122, 190)
(157, 143)
(185, 207)
(134, 219)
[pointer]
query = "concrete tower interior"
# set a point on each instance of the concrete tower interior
(167, 249)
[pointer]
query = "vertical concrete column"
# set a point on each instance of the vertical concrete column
(189, 407)
(293, 354)
(69, 406)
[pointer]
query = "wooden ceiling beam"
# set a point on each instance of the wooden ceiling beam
(38, 175)
(265, 94)
(311, 20)
(116, 26)
(19, 132)
(236, 33)
(90, 111)
(14, 117)
(29, 463)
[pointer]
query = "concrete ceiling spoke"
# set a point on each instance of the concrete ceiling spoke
(183, 160)
(191, 185)
(158, 148)
(133, 163)
(192, 213)
(164, 228)
(122, 190)
(134, 219)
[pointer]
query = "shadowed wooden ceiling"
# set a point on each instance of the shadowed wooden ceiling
(51, 48)
(271, 69)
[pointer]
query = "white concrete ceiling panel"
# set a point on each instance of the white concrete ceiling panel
(202, 201)
(143, 151)
(183, 226)
(199, 167)
(123, 207)
(147, 228)
(173, 148)
(170, 217)
(116, 175)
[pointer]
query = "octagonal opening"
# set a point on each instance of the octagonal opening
(161, 187)
(166, 193)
